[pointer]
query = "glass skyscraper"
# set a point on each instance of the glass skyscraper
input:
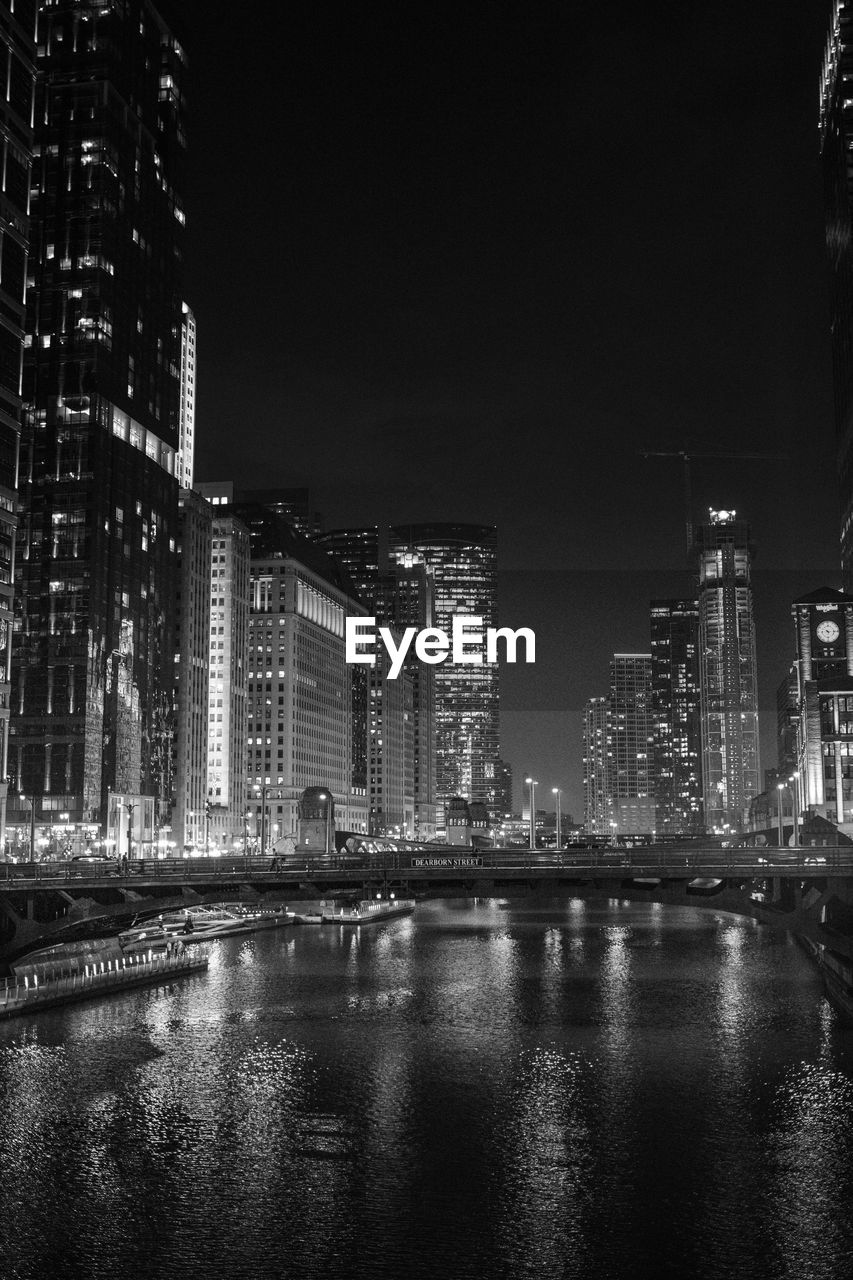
(677, 738)
(96, 571)
(728, 684)
(462, 561)
(17, 28)
(398, 595)
(836, 149)
(629, 744)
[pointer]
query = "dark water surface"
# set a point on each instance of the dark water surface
(586, 1091)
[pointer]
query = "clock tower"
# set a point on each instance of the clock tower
(823, 622)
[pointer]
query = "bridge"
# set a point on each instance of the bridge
(807, 890)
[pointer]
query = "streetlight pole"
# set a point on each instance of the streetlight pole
(325, 795)
(559, 840)
(263, 790)
(531, 782)
(780, 787)
(794, 781)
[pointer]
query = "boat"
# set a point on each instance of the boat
(367, 911)
(201, 924)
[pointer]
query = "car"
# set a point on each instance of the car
(82, 863)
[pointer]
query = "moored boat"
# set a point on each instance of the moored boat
(202, 924)
(367, 911)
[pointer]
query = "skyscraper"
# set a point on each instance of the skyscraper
(728, 684)
(228, 717)
(462, 561)
(186, 422)
(629, 744)
(596, 726)
(193, 656)
(836, 147)
(676, 721)
(17, 29)
(398, 594)
(92, 666)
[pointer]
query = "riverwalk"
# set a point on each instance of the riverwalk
(26, 995)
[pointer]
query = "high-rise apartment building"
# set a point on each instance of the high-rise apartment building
(596, 795)
(728, 684)
(462, 562)
(193, 657)
(186, 422)
(17, 31)
(836, 146)
(630, 744)
(676, 720)
(96, 573)
(228, 680)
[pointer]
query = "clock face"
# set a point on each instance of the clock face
(827, 632)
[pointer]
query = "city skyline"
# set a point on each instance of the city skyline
(565, 604)
(455, 342)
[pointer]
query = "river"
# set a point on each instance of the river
(573, 1090)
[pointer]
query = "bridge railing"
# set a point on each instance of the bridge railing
(649, 860)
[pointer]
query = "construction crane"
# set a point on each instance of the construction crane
(688, 489)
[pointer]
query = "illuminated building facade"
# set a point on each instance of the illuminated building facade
(836, 147)
(728, 684)
(305, 726)
(96, 572)
(596, 731)
(307, 708)
(676, 720)
(228, 685)
(630, 744)
(823, 624)
(461, 560)
(193, 657)
(186, 423)
(17, 31)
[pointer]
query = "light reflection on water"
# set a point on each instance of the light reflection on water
(567, 1090)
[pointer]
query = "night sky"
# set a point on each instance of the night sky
(464, 263)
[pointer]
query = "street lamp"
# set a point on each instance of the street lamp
(559, 840)
(780, 787)
(263, 790)
(532, 784)
(324, 795)
(794, 780)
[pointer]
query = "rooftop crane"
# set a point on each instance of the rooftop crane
(686, 458)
